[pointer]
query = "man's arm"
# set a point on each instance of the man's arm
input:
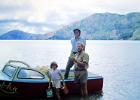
(84, 44)
(84, 61)
(84, 47)
(81, 64)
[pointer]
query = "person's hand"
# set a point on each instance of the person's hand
(73, 59)
(63, 85)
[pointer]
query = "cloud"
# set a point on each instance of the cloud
(39, 28)
(50, 15)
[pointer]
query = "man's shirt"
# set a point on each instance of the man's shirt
(82, 57)
(74, 43)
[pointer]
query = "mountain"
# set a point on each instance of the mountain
(104, 26)
(99, 26)
(20, 35)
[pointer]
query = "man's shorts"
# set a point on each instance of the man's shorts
(82, 75)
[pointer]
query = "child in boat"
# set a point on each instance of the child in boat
(55, 76)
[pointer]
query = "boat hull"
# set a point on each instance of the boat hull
(22, 88)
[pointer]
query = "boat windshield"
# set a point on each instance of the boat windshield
(18, 63)
(9, 70)
(30, 74)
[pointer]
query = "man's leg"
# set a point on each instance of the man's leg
(83, 83)
(70, 63)
(84, 91)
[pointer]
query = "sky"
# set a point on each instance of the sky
(43, 16)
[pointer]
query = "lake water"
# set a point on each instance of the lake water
(117, 61)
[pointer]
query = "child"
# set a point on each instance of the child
(55, 76)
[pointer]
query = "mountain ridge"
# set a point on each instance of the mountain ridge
(99, 26)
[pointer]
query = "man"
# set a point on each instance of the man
(74, 41)
(81, 64)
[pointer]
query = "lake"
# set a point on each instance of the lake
(117, 61)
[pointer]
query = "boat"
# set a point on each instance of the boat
(18, 79)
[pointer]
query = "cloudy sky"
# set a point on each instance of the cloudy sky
(42, 16)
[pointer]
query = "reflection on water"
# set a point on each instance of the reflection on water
(117, 61)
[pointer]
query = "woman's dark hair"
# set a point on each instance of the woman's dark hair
(53, 64)
(77, 30)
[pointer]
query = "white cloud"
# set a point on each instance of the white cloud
(120, 6)
(38, 29)
(57, 13)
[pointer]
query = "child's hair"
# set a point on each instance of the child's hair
(53, 63)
